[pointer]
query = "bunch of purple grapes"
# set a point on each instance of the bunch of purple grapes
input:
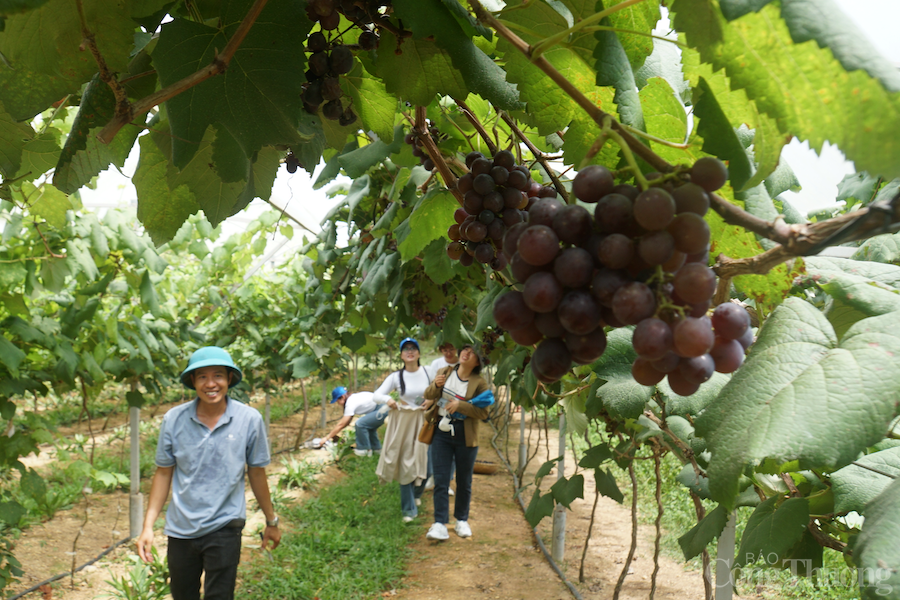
(418, 146)
(496, 195)
(327, 62)
(640, 259)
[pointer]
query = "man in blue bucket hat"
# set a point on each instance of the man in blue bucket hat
(370, 419)
(203, 448)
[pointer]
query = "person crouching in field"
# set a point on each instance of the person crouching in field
(204, 446)
(370, 419)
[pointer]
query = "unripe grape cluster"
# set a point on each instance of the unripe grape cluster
(496, 194)
(640, 259)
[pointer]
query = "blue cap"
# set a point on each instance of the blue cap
(409, 340)
(337, 392)
(210, 356)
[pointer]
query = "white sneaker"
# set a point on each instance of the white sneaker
(438, 531)
(361, 452)
(429, 483)
(449, 491)
(408, 519)
(463, 530)
(418, 502)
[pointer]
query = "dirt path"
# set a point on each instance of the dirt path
(501, 560)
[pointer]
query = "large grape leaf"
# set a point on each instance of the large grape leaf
(803, 395)
(876, 551)
(39, 155)
(257, 99)
(430, 221)
(44, 58)
(632, 25)
(854, 486)
(773, 528)
(421, 71)
(881, 248)
(13, 138)
(427, 18)
(803, 87)
(50, 203)
(621, 395)
(709, 528)
(371, 101)
(614, 69)
(162, 211)
(696, 402)
(824, 269)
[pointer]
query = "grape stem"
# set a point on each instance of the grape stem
(538, 155)
(653, 138)
(626, 152)
(479, 127)
(421, 129)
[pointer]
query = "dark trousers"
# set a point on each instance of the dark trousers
(445, 449)
(216, 554)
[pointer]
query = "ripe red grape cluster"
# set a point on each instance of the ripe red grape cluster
(327, 62)
(640, 259)
(496, 195)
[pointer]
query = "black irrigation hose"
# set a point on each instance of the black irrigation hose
(534, 530)
(69, 573)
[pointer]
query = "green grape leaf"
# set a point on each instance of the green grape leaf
(539, 507)
(859, 483)
(303, 366)
(700, 535)
(49, 203)
(614, 69)
(857, 186)
(420, 72)
(11, 7)
(719, 137)
(11, 513)
(39, 155)
(13, 138)
(881, 248)
(876, 551)
(825, 103)
(640, 19)
(134, 398)
(372, 102)
(430, 221)
(866, 296)
(607, 486)
(565, 491)
(485, 312)
(773, 529)
(782, 179)
(34, 75)
(734, 9)
(148, 295)
(827, 401)
(356, 162)
(696, 402)
(689, 478)
(621, 395)
(257, 99)
(820, 268)
(482, 75)
(10, 356)
(437, 264)
(161, 211)
(595, 455)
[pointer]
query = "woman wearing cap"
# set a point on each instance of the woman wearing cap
(203, 448)
(458, 398)
(404, 458)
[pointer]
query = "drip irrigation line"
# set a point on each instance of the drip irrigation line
(534, 530)
(70, 573)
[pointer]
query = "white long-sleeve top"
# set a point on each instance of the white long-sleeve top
(416, 382)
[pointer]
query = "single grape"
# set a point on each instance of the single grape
(727, 354)
(453, 232)
(428, 164)
(695, 283)
(538, 245)
(652, 339)
(656, 247)
(614, 213)
(459, 215)
(496, 229)
(318, 63)
(484, 252)
(730, 320)
(573, 224)
(574, 267)
(476, 231)
(627, 190)
(642, 371)
(520, 269)
(592, 182)
(680, 385)
(578, 312)
(333, 110)
(693, 337)
(633, 302)
(481, 166)
(526, 336)
(511, 216)
(551, 360)
(512, 197)
(464, 183)
(542, 292)
(312, 95)
(316, 42)
(517, 180)
(616, 251)
(668, 363)
(544, 211)
(697, 369)
(466, 259)
(511, 312)
(547, 191)
(486, 217)
(368, 40)
(500, 262)
(511, 238)
(747, 339)
(605, 284)
(471, 157)
(455, 250)
(330, 22)
(654, 209)
(505, 159)
(493, 202)
(473, 202)
(710, 173)
(483, 184)
(341, 60)
(588, 347)
(690, 198)
(349, 117)
(689, 232)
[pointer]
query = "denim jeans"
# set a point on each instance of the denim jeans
(446, 449)
(217, 554)
(409, 493)
(367, 430)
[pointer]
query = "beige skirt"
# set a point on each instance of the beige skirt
(404, 458)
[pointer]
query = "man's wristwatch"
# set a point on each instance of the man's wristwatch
(273, 522)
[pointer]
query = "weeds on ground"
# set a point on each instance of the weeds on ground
(143, 582)
(300, 474)
(345, 544)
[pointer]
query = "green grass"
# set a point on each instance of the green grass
(347, 543)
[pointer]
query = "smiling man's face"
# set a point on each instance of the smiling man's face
(211, 384)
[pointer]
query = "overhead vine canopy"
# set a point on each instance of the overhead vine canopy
(397, 95)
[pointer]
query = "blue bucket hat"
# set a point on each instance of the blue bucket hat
(210, 356)
(337, 392)
(409, 340)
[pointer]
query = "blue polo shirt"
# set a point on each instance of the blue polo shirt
(208, 479)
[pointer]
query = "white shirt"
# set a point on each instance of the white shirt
(454, 389)
(359, 403)
(438, 364)
(416, 382)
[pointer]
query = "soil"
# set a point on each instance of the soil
(502, 560)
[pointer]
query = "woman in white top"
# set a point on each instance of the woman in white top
(404, 458)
